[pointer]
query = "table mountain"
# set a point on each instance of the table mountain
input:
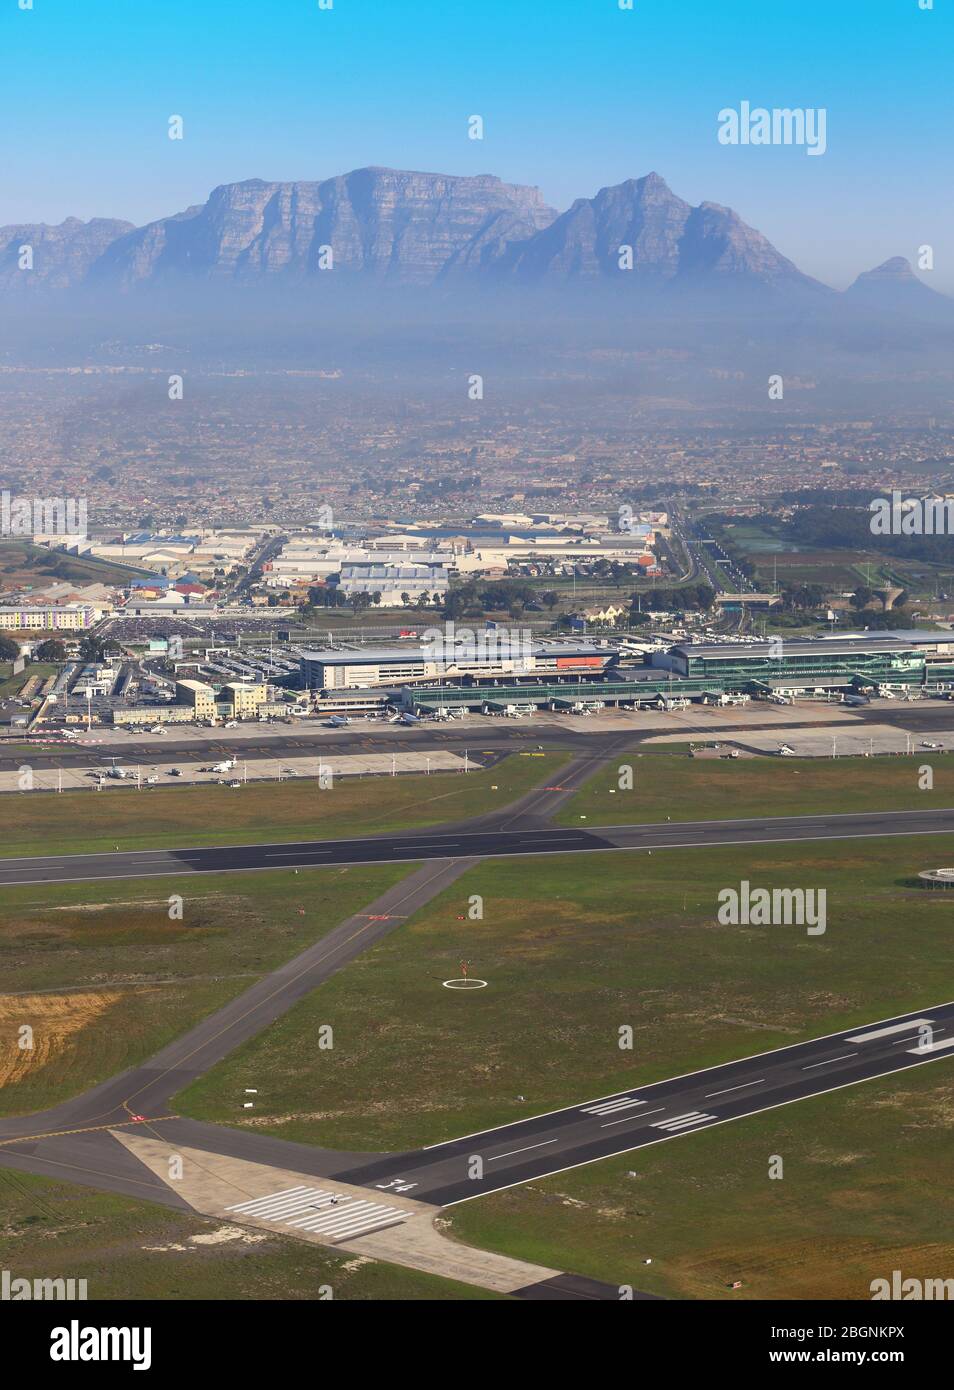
(386, 224)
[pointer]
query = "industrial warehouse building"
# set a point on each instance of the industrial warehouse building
(389, 584)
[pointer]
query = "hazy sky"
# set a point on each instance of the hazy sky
(575, 94)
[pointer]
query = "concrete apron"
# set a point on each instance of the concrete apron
(214, 1185)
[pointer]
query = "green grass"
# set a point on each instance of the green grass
(175, 817)
(573, 948)
(136, 1250)
(683, 788)
(11, 684)
(23, 564)
(866, 1189)
(105, 978)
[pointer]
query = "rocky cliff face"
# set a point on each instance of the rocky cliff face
(383, 223)
(391, 226)
(62, 255)
(670, 241)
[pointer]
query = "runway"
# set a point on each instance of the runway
(463, 1169)
(475, 1165)
(487, 842)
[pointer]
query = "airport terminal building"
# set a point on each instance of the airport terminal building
(581, 678)
(891, 658)
(486, 658)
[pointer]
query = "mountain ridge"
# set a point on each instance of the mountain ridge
(419, 229)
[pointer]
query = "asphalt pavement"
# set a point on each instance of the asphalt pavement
(412, 846)
(540, 1146)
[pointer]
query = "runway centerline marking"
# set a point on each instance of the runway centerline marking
(828, 1061)
(610, 1123)
(915, 1037)
(513, 1152)
(741, 1087)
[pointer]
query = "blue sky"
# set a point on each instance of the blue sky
(575, 94)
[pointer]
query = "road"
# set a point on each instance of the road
(493, 841)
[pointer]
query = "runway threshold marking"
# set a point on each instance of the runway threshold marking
(321, 1211)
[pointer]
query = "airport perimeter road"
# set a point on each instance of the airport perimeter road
(616, 1124)
(485, 842)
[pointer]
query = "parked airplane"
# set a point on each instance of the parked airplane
(225, 766)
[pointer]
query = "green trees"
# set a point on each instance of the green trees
(690, 597)
(50, 650)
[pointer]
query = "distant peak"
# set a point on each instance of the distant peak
(895, 268)
(653, 182)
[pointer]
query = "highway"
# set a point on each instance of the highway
(490, 842)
